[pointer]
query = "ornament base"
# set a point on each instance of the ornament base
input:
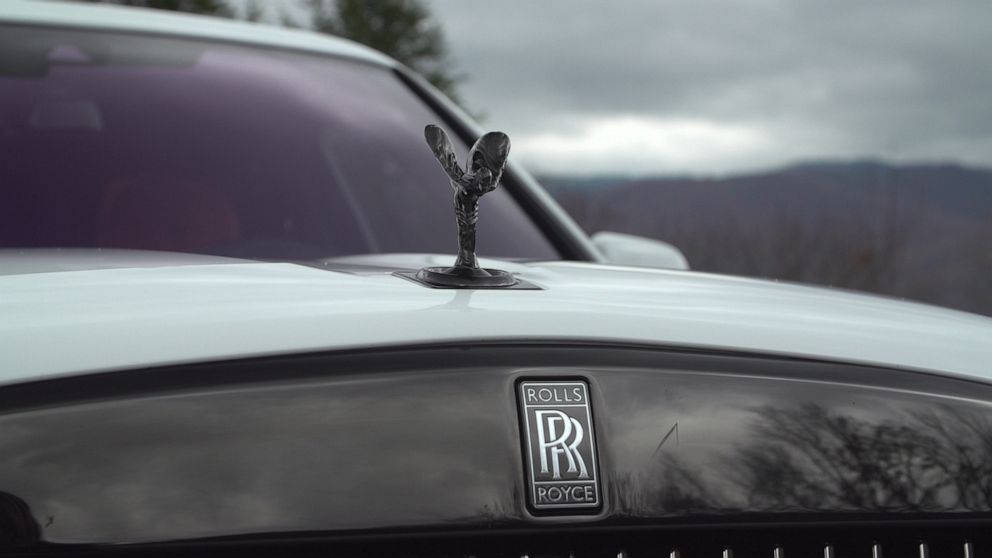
(467, 277)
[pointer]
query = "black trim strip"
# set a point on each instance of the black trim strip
(440, 356)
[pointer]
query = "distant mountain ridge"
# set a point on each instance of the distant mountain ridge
(919, 231)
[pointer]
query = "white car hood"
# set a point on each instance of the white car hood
(78, 321)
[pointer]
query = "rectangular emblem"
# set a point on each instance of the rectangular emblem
(560, 445)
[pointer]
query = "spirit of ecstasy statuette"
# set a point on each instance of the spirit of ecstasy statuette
(484, 169)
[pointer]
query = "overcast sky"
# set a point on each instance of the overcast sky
(702, 86)
(714, 87)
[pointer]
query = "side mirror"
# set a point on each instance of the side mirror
(625, 249)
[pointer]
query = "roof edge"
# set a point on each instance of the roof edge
(157, 22)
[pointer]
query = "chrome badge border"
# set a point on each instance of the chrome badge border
(529, 450)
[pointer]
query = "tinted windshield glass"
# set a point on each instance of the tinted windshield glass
(164, 144)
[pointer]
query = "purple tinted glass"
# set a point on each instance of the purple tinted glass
(115, 140)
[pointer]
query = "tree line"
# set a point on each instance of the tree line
(403, 29)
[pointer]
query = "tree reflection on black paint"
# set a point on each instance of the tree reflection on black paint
(671, 487)
(812, 458)
(962, 449)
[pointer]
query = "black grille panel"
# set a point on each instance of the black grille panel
(841, 542)
(854, 541)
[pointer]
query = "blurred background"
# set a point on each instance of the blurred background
(840, 143)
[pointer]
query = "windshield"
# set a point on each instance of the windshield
(123, 141)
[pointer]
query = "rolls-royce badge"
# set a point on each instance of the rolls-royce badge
(559, 445)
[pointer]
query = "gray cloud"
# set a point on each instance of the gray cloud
(704, 86)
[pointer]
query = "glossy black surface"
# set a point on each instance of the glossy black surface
(429, 439)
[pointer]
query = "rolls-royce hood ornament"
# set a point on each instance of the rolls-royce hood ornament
(482, 174)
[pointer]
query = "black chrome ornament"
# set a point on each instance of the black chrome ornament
(559, 446)
(484, 169)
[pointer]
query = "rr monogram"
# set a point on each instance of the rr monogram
(560, 435)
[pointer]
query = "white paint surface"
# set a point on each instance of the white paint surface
(71, 322)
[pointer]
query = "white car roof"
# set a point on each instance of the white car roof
(159, 22)
(59, 323)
